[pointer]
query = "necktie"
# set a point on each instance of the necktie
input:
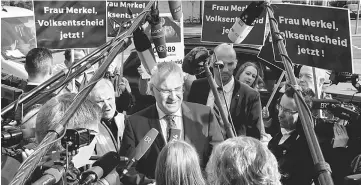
(172, 131)
(223, 102)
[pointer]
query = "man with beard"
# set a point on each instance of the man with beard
(242, 101)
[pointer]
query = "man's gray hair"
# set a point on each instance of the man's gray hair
(162, 71)
(87, 116)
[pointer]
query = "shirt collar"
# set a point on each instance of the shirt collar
(229, 86)
(161, 114)
(286, 132)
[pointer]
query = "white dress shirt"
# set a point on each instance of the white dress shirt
(163, 123)
(285, 135)
(228, 91)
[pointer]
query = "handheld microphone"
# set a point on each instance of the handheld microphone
(114, 176)
(141, 149)
(144, 49)
(194, 60)
(102, 167)
(175, 7)
(157, 34)
(323, 103)
(12, 136)
(245, 22)
(51, 175)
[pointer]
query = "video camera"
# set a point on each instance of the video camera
(12, 137)
(337, 77)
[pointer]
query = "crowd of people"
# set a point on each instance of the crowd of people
(270, 146)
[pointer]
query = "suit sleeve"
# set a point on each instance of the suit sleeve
(128, 149)
(192, 92)
(255, 114)
(215, 130)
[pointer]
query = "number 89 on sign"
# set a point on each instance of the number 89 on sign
(169, 49)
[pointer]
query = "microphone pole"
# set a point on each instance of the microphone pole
(37, 91)
(321, 167)
(29, 165)
(230, 131)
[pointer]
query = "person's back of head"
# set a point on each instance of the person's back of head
(38, 64)
(242, 161)
(178, 164)
(51, 113)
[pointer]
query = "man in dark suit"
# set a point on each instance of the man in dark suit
(242, 101)
(197, 123)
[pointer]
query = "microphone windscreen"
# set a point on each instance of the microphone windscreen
(141, 40)
(107, 162)
(158, 37)
(175, 7)
(192, 62)
(145, 143)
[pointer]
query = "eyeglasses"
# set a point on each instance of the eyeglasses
(285, 110)
(177, 90)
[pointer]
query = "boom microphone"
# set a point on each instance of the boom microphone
(194, 60)
(323, 103)
(245, 22)
(102, 167)
(144, 49)
(157, 34)
(175, 7)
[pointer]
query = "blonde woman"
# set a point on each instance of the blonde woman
(178, 164)
(242, 161)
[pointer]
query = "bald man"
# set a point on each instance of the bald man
(112, 122)
(242, 101)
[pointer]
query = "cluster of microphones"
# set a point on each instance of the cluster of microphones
(143, 45)
(105, 168)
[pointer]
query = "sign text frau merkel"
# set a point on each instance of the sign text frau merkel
(77, 24)
(219, 17)
(118, 11)
(315, 36)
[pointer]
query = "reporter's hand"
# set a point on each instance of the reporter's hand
(141, 71)
(340, 136)
(26, 153)
(265, 113)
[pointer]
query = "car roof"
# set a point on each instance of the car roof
(12, 11)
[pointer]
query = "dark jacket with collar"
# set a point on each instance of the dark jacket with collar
(294, 158)
(245, 106)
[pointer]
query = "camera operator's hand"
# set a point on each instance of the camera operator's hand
(340, 136)
(265, 113)
(26, 153)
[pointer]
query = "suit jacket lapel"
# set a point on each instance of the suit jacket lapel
(188, 126)
(236, 95)
(154, 123)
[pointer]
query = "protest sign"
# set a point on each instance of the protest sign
(70, 24)
(118, 13)
(219, 17)
(315, 36)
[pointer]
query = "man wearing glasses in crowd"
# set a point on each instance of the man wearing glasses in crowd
(197, 125)
(289, 145)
